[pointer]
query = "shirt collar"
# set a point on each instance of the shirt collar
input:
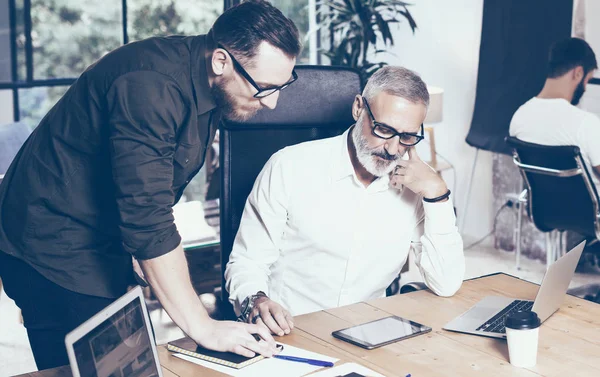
(342, 166)
(199, 63)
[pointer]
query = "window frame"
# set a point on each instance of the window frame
(15, 84)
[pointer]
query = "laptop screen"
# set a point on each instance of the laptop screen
(119, 347)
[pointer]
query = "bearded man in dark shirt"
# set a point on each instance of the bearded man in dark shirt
(95, 183)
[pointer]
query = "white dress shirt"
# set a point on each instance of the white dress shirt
(313, 237)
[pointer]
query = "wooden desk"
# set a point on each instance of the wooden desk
(569, 340)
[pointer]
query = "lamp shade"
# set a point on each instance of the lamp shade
(436, 105)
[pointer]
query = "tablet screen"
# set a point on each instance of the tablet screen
(382, 331)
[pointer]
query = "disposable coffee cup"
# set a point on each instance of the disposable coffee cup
(522, 332)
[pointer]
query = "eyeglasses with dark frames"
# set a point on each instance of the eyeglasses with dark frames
(383, 131)
(262, 92)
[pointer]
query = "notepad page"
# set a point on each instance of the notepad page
(346, 369)
(269, 367)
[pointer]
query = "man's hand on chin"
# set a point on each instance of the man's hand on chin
(418, 177)
(273, 316)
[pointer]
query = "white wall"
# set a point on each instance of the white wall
(591, 14)
(592, 27)
(445, 51)
(591, 99)
(6, 107)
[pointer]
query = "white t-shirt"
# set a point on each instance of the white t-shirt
(555, 121)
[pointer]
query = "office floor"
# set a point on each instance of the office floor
(16, 356)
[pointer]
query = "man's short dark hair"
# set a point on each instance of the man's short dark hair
(242, 28)
(568, 54)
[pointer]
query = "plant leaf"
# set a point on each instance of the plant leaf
(384, 29)
(411, 20)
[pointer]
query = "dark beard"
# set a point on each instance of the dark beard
(226, 103)
(223, 100)
(578, 93)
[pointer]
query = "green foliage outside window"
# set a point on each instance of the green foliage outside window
(297, 10)
(70, 35)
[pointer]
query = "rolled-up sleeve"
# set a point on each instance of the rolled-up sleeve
(145, 109)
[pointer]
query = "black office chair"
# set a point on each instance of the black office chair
(317, 106)
(560, 193)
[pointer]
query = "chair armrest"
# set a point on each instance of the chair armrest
(395, 288)
(411, 287)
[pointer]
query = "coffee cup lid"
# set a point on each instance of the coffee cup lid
(523, 320)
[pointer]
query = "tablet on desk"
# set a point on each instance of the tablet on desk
(381, 332)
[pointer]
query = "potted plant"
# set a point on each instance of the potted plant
(355, 26)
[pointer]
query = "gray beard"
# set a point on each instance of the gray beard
(372, 164)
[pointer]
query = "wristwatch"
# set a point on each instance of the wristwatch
(248, 304)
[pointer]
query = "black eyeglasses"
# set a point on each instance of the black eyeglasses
(262, 92)
(383, 131)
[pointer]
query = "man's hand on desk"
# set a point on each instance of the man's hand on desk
(236, 337)
(271, 315)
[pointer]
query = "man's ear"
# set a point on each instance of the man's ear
(357, 107)
(219, 61)
(578, 73)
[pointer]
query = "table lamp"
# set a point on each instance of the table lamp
(434, 115)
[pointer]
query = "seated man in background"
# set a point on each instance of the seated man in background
(552, 118)
(330, 222)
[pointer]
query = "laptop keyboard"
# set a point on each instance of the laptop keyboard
(496, 323)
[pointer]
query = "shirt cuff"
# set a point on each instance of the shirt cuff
(244, 291)
(163, 244)
(439, 217)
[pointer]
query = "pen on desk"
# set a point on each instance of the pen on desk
(319, 363)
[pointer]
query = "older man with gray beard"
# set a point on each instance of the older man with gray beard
(331, 222)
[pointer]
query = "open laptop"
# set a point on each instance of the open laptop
(487, 317)
(116, 342)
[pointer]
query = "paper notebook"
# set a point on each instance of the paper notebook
(188, 347)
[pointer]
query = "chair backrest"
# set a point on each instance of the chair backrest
(317, 106)
(12, 137)
(561, 194)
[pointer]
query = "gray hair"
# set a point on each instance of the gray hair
(397, 81)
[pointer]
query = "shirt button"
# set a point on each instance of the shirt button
(188, 181)
(187, 160)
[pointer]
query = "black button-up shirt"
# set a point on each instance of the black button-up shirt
(96, 181)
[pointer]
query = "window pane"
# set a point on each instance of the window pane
(20, 33)
(297, 11)
(5, 70)
(70, 35)
(34, 103)
(149, 18)
(6, 107)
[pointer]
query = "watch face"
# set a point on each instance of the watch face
(245, 305)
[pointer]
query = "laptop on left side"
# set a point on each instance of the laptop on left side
(116, 342)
